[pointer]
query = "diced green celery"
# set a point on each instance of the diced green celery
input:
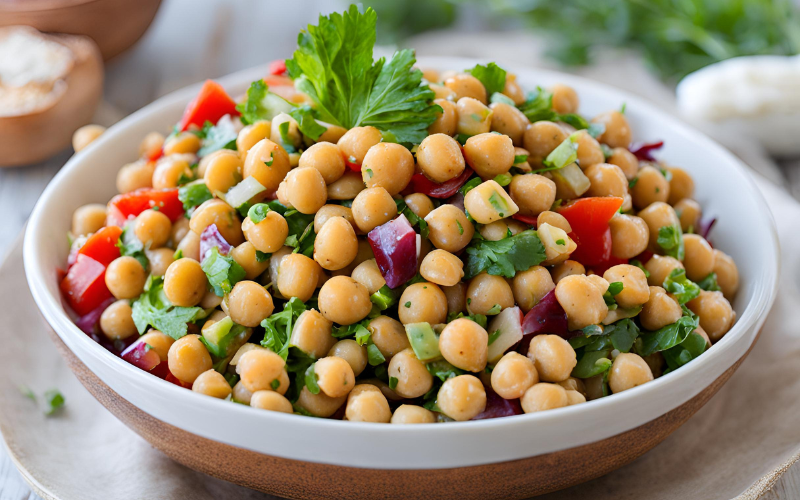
(424, 341)
(570, 182)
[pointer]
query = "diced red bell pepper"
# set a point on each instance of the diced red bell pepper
(84, 287)
(644, 256)
(102, 245)
(277, 67)
(445, 190)
(172, 378)
(593, 248)
(603, 266)
(355, 167)
(527, 219)
(211, 104)
(589, 218)
(125, 206)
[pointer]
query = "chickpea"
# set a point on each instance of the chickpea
(541, 138)
(298, 276)
(86, 135)
(656, 216)
(190, 246)
(125, 278)
(489, 154)
(306, 190)
(336, 244)
(328, 212)
(439, 158)
(566, 268)
(474, 117)
(628, 371)
(185, 282)
(350, 351)
(334, 375)
(589, 151)
(486, 291)
(210, 300)
(412, 414)
(202, 165)
(659, 267)
(462, 398)
(245, 256)
(499, 229)
(259, 368)
(554, 219)
(617, 133)
(184, 142)
(419, 204)
(607, 180)
(251, 134)
(158, 341)
(188, 358)
(223, 215)
(442, 267)
(268, 235)
(368, 274)
(531, 286)
(565, 99)
(727, 274)
(249, 303)
(368, 406)
(688, 212)
(513, 90)
(222, 173)
(532, 193)
(89, 219)
(557, 244)
(573, 384)
(422, 302)
(659, 310)
(629, 236)
(135, 176)
(344, 300)
(355, 144)
(268, 163)
(413, 378)
(240, 394)
(456, 297)
(449, 228)
(699, 258)
(388, 335)
(346, 187)
(212, 383)
(466, 86)
(332, 134)
(635, 291)
(651, 187)
(625, 160)
(680, 186)
(442, 92)
(509, 121)
(320, 405)
(553, 357)
(169, 171)
(446, 121)
(513, 375)
(152, 228)
(373, 207)
(325, 157)
(464, 344)
(160, 260)
(151, 145)
(699, 330)
(270, 400)
(116, 322)
(180, 228)
(312, 334)
(575, 397)
(582, 300)
(715, 312)
(544, 396)
(389, 166)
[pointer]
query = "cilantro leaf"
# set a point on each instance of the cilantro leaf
(222, 271)
(153, 308)
(374, 355)
(193, 195)
(261, 104)
(709, 283)
(333, 65)
(258, 212)
(129, 245)
(477, 318)
(693, 346)
(538, 106)
(304, 117)
(311, 379)
(443, 370)
(504, 257)
(278, 327)
(492, 76)
(622, 334)
(54, 400)
(358, 331)
(669, 336)
(301, 228)
(670, 239)
(679, 285)
(216, 137)
(592, 363)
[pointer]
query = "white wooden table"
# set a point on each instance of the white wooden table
(191, 40)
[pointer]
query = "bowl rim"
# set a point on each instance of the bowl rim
(753, 314)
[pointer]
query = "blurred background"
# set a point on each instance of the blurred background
(643, 46)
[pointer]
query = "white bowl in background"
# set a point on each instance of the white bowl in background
(744, 230)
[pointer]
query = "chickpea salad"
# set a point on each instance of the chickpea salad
(364, 240)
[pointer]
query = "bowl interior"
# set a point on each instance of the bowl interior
(744, 230)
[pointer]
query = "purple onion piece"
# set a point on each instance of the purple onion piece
(547, 316)
(704, 228)
(643, 151)
(211, 238)
(140, 355)
(498, 407)
(88, 321)
(395, 247)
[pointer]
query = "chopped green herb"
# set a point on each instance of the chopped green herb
(154, 309)
(27, 392)
(262, 257)
(462, 138)
(407, 304)
(374, 356)
(679, 285)
(504, 257)
(258, 212)
(670, 239)
(494, 336)
(596, 130)
(306, 122)
(494, 310)
(563, 155)
(358, 331)
(470, 185)
(393, 383)
(370, 173)
(503, 179)
(311, 379)
(278, 327)
(638, 263)
(632, 182)
(54, 400)
(222, 271)
(709, 283)
(560, 242)
(178, 254)
(497, 97)
(460, 228)
(477, 318)
(216, 137)
(130, 246)
(614, 288)
(384, 298)
(286, 140)
(271, 159)
(670, 335)
(520, 159)
(492, 76)
(622, 109)
(261, 104)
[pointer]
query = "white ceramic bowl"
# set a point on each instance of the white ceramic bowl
(744, 229)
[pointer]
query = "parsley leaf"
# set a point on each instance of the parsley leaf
(592, 363)
(693, 346)
(301, 228)
(538, 106)
(333, 65)
(54, 400)
(477, 318)
(504, 257)
(374, 355)
(443, 370)
(216, 137)
(278, 327)
(709, 283)
(669, 336)
(682, 287)
(258, 212)
(311, 379)
(222, 271)
(193, 195)
(154, 309)
(261, 104)
(129, 245)
(358, 331)
(670, 239)
(304, 117)
(413, 219)
(638, 263)
(622, 334)
(492, 76)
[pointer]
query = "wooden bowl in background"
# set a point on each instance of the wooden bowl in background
(114, 25)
